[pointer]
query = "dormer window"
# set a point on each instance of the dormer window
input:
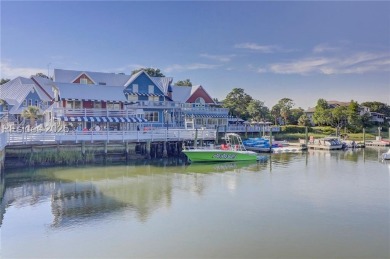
(83, 81)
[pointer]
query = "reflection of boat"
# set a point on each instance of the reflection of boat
(219, 167)
(386, 156)
(233, 150)
(328, 143)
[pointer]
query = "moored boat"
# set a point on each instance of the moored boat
(233, 150)
(386, 156)
(328, 143)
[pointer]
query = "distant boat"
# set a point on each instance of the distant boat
(233, 150)
(263, 144)
(386, 156)
(328, 143)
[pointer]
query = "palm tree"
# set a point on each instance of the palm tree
(32, 113)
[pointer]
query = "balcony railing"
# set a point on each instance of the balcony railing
(58, 112)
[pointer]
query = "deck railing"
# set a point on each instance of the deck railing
(57, 112)
(92, 136)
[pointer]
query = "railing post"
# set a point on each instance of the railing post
(108, 139)
(91, 136)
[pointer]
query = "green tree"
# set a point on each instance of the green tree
(339, 117)
(4, 80)
(354, 119)
(32, 113)
(275, 113)
(322, 114)
(42, 75)
(150, 71)
(186, 82)
(285, 105)
(257, 111)
(295, 114)
(304, 120)
(237, 101)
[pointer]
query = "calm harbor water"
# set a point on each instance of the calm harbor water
(318, 204)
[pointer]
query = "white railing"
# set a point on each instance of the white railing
(92, 112)
(243, 128)
(91, 136)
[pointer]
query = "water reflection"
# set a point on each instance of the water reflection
(142, 187)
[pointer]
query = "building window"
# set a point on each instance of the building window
(200, 100)
(135, 88)
(6, 107)
(154, 98)
(30, 102)
(97, 104)
(151, 116)
(83, 81)
(77, 105)
(25, 103)
(113, 106)
(36, 102)
(151, 89)
(132, 97)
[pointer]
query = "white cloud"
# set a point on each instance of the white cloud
(257, 47)
(358, 63)
(10, 72)
(262, 48)
(324, 47)
(195, 66)
(220, 58)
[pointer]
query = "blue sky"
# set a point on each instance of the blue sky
(300, 50)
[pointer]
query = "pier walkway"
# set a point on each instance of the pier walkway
(14, 138)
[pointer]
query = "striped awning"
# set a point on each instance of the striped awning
(101, 119)
(143, 94)
(207, 115)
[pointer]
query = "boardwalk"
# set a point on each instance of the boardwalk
(13, 138)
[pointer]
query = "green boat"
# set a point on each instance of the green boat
(233, 150)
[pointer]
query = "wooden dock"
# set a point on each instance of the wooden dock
(378, 143)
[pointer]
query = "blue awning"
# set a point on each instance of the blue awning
(101, 119)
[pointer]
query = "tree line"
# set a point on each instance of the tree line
(241, 104)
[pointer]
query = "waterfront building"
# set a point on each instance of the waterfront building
(19, 93)
(90, 100)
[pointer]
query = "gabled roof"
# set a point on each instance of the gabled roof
(91, 92)
(134, 76)
(112, 79)
(184, 93)
(181, 93)
(162, 83)
(15, 92)
(85, 74)
(46, 84)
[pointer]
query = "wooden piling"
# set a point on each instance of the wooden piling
(306, 136)
(364, 136)
(164, 149)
